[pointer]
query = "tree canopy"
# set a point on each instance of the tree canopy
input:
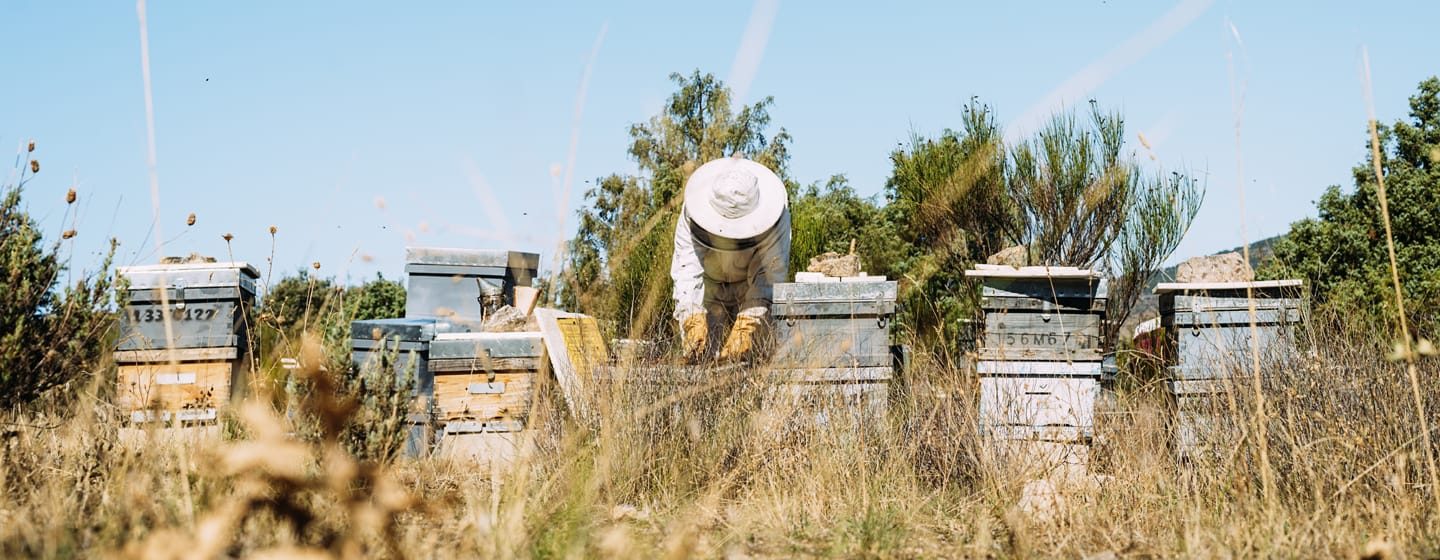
(619, 260)
(1070, 194)
(1341, 253)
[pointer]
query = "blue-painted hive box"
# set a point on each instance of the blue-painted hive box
(450, 284)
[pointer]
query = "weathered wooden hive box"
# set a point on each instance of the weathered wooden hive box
(450, 283)
(1210, 337)
(401, 347)
(184, 348)
(1040, 352)
(485, 387)
(832, 344)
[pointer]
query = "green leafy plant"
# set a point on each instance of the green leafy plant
(54, 325)
(619, 260)
(1341, 253)
(1070, 195)
(828, 218)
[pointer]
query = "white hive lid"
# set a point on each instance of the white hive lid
(1171, 287)
(1004, 271)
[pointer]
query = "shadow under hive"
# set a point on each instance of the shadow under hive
(1210, 338)
(485, 387)
(451, 283)
(401, 348)
(186, 373)
(833, 352)
(1040, 358)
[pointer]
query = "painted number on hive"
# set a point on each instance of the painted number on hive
(187, 314)
(1046, 339)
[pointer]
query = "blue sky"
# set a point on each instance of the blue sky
(358, 128)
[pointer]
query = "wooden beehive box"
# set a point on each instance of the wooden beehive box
(1211, 334)
(446, 283)
(485, 387)
(1038, 313)
(830, 397)
(192, 388)
(843, 324)
(184, 348)
(1208, 327)
(1040, 350)
(205, 305)
(401, 347)
(833, 356)
(1039, 396)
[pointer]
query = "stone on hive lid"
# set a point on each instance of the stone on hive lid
(835, 264)
(1016, 256)
(193, 258)
(1225, 267)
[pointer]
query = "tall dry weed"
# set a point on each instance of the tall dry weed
(687, 463)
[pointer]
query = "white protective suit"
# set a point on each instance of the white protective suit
(731, 279)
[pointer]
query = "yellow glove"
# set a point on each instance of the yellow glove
(741, 340)
(693, 336)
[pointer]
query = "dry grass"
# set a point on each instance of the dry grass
(721, 471)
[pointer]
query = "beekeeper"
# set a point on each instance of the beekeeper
(732, 245)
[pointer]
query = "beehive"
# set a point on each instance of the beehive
(449, 283)
(833, 351)
(485, 387)
(402, 348)
(184, 348)
(1040, 350)
(1210, 336)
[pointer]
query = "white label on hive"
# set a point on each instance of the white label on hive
(487, 388)
(183, 378)
(195, 414)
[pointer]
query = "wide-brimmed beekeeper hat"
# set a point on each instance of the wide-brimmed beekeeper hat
(734, 198)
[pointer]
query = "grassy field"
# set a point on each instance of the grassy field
(700, 468)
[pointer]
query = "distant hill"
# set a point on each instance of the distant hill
(1149, 305)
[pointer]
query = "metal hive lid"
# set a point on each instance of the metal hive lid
(471, 257)
(494, 345)
(243, 267)
(407, 328)
(190, 274)
(1052, 272)
(1222, 287)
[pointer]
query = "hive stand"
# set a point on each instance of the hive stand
(1208, 348)
(1040, 361)
(833, 355)
(183, 377)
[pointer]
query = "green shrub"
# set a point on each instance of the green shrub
(54, 326)
(1342, 253)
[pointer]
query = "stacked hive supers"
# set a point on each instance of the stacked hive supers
(485, 387)
(1208, 340)
(184, 349)
(446, 289)
(833, 348)
(1040, 361)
